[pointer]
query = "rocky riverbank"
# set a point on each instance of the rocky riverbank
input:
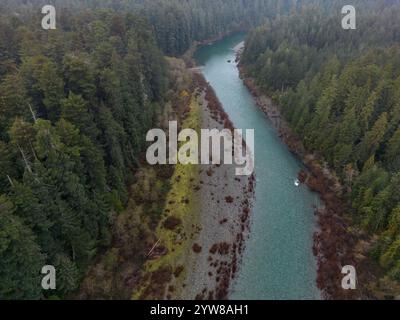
(224, 214)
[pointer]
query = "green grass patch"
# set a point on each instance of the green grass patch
(182, 204)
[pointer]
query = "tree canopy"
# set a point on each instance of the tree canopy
(75, 105)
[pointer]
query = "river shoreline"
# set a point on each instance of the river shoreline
(224, 214)
(279, 263)
(334, 244)
(198, 256)
(188, 56)
(227, 205)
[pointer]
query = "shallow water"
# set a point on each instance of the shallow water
(278, 262)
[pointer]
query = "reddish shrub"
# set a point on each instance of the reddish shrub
(178, 271)
(229, 199)
(172, 222)
(196, 248)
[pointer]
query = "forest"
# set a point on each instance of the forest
(177, 24)
(74, 106)
(76, 103)
(339, 90)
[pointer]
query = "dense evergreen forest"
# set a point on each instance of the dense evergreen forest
(75, 105)
(76, 102)
(339, 89)
(178, 23)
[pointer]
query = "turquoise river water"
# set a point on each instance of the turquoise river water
(278, 262)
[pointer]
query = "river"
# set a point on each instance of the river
(278, 262)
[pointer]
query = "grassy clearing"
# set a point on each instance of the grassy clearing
(182, 204)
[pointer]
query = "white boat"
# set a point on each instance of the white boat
(297, 182)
